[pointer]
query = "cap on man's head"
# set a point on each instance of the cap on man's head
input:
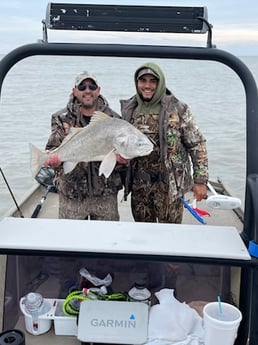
(147, 71)
(85, 75)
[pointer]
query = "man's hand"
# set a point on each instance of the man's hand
(53, 161)
(121, 159)
(200, 191)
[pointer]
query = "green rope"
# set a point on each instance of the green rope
(67, 307)
(77, 295)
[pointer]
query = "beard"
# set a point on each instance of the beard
(145, 99)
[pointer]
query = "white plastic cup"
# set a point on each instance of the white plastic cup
(220, 323)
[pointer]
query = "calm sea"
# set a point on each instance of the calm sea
(38, 86)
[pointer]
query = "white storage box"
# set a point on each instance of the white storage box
(64, 325)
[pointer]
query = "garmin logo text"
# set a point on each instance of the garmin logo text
(113, 323)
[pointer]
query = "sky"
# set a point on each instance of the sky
(235, 25)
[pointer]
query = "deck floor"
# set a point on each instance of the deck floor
(50, 210)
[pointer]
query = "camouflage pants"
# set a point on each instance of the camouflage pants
(150, 203)
(95, 208)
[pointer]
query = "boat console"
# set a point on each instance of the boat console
(47, 255)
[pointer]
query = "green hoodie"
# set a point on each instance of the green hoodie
(175, 121)
(152, 106)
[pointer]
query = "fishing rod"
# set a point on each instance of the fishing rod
(9, 188)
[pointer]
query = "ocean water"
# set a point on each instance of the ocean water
(38, 86)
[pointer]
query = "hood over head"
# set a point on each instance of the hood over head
(151, 68)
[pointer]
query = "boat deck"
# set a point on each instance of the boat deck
(50, 210)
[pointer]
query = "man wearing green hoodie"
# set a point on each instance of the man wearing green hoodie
(179, 160)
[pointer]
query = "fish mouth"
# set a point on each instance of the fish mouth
(139, 154)
(146, 153)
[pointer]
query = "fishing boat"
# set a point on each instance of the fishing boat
(205, 257)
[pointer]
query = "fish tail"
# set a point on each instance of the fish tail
(38, 157)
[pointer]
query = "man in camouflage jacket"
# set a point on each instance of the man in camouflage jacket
(82, 193)
(179, 160)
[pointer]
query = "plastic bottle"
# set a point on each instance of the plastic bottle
(35, 306)
(139, 293)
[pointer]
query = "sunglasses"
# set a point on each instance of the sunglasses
(83, 87)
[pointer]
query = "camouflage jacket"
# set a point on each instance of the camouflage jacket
(83, 181)
(179, 156)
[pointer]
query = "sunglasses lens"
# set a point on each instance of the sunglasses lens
(83, 87)
(93, 87)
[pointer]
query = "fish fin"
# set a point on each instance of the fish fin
(99, 116)
(107, 165)
(37, 158)
(69, 166)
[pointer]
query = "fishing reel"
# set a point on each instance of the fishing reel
(45, 177)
